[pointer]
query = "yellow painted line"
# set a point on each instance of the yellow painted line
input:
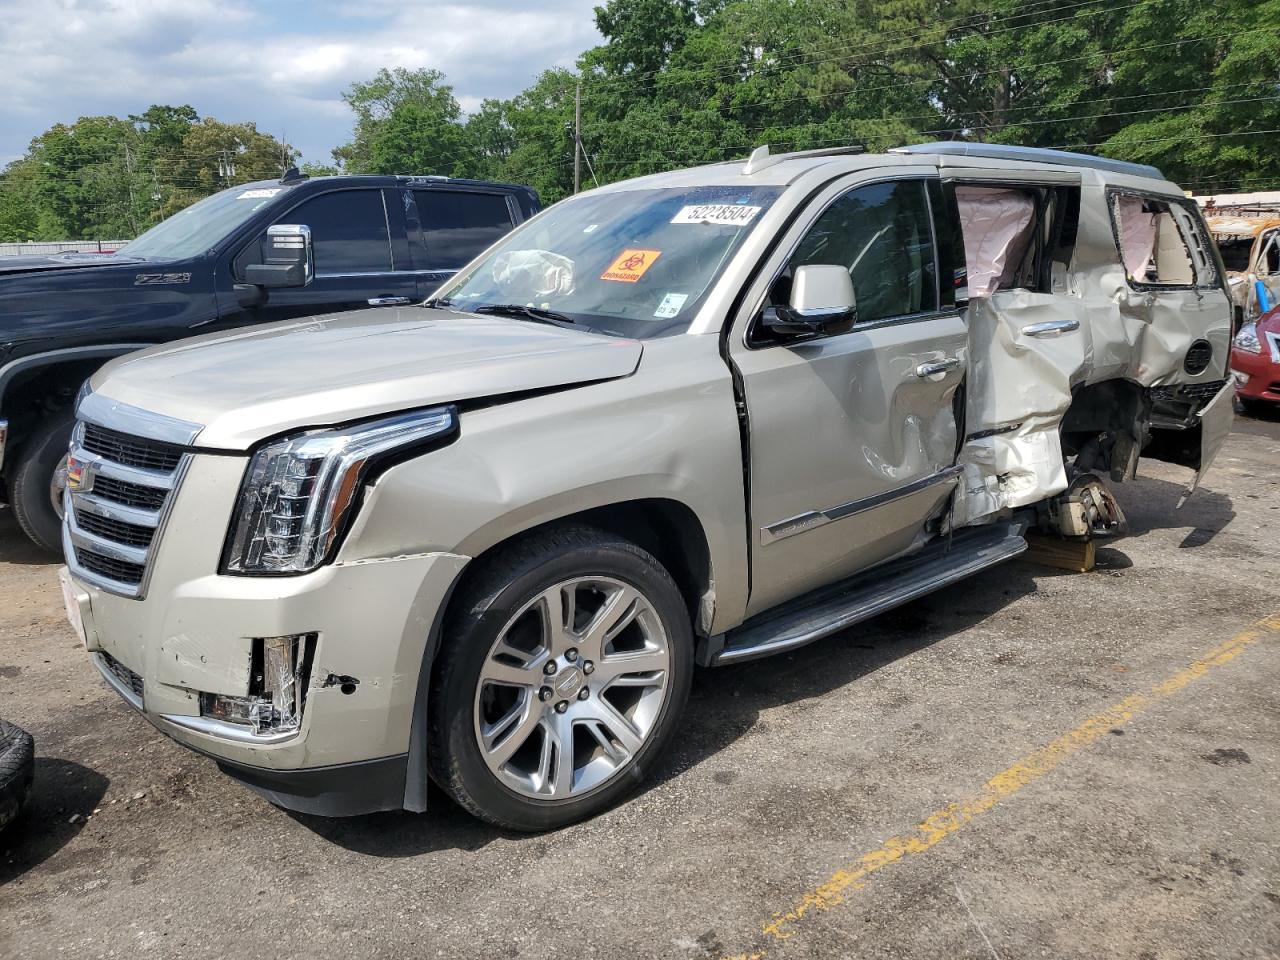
(942, 823)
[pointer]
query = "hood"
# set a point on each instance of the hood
(29, 263)
(250, 384)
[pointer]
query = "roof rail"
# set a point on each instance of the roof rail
(761, 157)
(1005, 151)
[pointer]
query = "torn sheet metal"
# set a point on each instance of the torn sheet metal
(1215, 423)
(1032, 352)
(1019, 388)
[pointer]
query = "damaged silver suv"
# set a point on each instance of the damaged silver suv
(693, 418)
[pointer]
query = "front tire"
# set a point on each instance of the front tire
(566, 665)
(32, 482)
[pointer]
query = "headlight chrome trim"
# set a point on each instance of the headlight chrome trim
(333, 465)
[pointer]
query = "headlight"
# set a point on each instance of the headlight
(1247, 339)
(300, 492)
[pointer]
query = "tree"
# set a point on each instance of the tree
(214, 155)
(108, 178)
(407, 121)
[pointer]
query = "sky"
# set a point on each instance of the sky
(280, 63)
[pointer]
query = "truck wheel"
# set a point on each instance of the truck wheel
(31, 490)
(17, 768)
(566, 665)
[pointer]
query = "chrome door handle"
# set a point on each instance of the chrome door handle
(934, 367)
(1050, 327)
(389, 301)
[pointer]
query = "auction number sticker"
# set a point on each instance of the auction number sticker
(631, 265)
(261, 193)
(721, 214)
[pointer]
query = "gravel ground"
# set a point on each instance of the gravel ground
(1087, 794)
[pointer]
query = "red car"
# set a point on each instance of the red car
(1255, 361)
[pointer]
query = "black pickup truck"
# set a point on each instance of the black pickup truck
(253, 253)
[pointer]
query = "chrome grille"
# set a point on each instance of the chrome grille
(118, 492)
(130, 494)
(119, 448)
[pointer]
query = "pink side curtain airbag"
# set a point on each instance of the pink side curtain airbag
(997, 224)
(1137, 235)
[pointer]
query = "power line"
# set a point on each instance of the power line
(1048, 63)
(807, 59)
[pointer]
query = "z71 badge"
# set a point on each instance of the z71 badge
(151, 279)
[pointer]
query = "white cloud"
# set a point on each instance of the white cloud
(283, 64)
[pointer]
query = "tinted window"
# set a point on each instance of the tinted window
(882, 234)
(348, 229)
(458, 226)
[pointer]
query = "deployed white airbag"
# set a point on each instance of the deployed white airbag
(1137, 235)
(533, 273)
(997, 224)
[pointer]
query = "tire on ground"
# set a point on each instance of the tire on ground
(17, 766)
(496, 591)
(31, 478)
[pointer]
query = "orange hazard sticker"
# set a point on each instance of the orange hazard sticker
(631, 265)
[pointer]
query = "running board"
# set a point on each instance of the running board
(831, 609)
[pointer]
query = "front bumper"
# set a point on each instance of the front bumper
(194, 634)
(1256, 375)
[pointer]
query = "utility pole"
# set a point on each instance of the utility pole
(577, 137)
(226, 166)
(128, 172)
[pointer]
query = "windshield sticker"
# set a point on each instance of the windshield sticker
(671, 305)
(631, 265)
(259, 194)
(720, 214)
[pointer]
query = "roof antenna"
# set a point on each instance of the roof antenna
(756, 160)
(293, 176)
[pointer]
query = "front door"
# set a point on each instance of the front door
(355, 259)
(853, 434)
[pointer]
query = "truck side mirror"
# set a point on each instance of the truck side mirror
(821, 296)
(287, 258)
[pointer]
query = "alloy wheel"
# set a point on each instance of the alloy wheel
(572, 688)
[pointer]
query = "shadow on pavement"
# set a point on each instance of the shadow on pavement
(61, 789)
(724, 705)
(14, 545)
(1151, 504)
(445, 826)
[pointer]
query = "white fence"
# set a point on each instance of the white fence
(62, 246)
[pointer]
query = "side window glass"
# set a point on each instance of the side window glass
(883, 235)
(457, 226)
(348, 229)
(1155, 244)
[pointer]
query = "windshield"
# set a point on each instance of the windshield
(635, 263)
(201, 225)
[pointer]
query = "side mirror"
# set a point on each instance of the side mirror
(287, 258)
(821, 296)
